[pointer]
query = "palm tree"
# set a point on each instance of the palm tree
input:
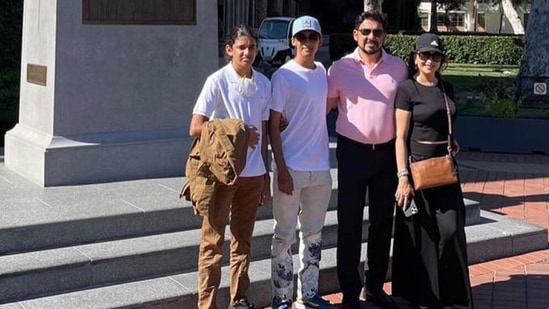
(508, 9)
(534, 66)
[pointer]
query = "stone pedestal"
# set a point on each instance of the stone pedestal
(108, 98)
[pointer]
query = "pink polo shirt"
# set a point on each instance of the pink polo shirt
(366, 96)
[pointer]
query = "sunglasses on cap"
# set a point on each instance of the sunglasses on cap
(436, 57)
(300, 36)
(366, 32)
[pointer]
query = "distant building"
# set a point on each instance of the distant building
(480, 17)
(339, 15)
(334, 15)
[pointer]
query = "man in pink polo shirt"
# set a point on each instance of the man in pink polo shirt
(363, 85)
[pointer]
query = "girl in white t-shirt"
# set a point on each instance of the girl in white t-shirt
(234, 91)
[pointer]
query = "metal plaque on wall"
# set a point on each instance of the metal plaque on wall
(37, 74)
(139, 12)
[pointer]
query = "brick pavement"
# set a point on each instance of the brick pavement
(518, 282)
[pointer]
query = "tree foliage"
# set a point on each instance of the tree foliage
(447, 6)
(402, 14)
(373, 5)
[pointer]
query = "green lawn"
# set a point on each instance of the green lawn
(488, 90)
(468, 77)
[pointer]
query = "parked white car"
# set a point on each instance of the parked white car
(274, 40)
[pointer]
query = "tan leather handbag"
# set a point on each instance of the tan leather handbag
(437, 171)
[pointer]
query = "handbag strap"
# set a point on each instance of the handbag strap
(449, 115)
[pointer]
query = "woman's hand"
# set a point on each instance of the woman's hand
(404, 193)
(455, 147)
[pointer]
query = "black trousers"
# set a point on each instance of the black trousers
(360, 169)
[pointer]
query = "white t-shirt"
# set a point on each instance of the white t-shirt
(220, 99)
(299, 94)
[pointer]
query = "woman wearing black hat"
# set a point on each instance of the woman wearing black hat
(430, 255)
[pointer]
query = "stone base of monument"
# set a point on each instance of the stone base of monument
(70, 160)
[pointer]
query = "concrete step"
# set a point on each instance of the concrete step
(494, 236)
(43, 272)
(37, 218)
(30, 274)
(26, 275)
(73, 215)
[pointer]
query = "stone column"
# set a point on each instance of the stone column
(108, 97)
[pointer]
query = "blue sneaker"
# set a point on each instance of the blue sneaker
(316, 302)
(284, 305)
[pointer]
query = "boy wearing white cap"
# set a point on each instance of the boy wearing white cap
(302, 182)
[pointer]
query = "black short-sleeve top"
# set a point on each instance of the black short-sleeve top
(428, 121)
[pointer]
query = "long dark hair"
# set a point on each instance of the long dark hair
(238, 31)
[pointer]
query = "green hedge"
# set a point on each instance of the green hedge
(469, 49)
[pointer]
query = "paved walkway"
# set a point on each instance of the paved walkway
(516, 186)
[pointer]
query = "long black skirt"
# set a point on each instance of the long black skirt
(430, 252)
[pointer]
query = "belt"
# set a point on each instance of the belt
(369, 146)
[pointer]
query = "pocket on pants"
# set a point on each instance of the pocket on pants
(203, 195)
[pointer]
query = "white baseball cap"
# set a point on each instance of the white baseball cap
(306, 23)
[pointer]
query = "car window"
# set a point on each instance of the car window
(274, 29)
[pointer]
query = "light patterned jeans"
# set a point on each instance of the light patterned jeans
(306, 206)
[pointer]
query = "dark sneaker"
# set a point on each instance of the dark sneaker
(242, 304)
(354, 305)
(316, 302)
(379, 297)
